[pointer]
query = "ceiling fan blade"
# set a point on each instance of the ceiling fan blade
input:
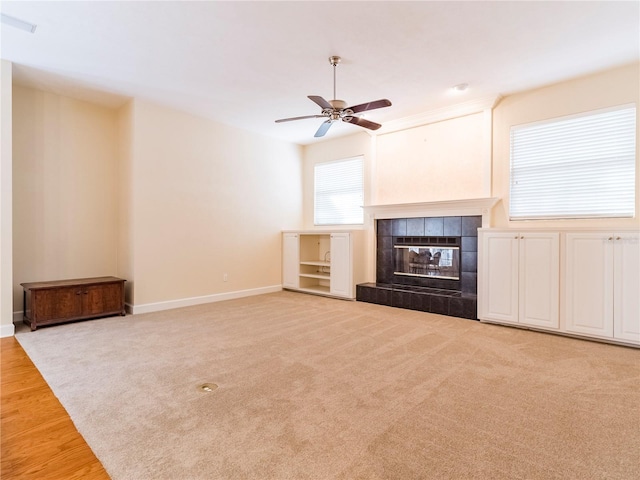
(323, 128)
(362, 122)
(298, 118)
(320, 101)
(363, 107)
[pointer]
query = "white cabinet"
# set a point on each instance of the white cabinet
(579, 283)
(340, 279)
(626, 282)
(602, 278)
(519, 275)
(290, 260)
(320, 262)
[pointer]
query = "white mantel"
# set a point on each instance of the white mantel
(448, 208)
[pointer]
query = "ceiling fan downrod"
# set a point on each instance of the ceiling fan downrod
(334, 61)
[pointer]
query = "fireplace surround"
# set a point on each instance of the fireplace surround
(425, 286)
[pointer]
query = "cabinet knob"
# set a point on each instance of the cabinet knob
(610, 238)
(516, 237)
(618, 238)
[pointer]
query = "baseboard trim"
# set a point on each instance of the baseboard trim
(18, 316)
(187, 302)
(7, 330)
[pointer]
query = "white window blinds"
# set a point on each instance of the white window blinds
(338, 192)
(575, 167)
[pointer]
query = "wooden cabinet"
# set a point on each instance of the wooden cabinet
(602, 277)
(519, 276)
(320, 262)
(48, 303)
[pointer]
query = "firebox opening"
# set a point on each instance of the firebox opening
(427, 261)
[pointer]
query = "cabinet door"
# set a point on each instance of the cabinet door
(50, 305)
(589, 284)
(626, 285)
(290, 260)
(340, 281)
(499, 276)
(538, 279)
(102, 299)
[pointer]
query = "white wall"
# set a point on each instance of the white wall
(613, 87)
(64, 179)
(6, 202)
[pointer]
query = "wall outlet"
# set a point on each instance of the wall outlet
(225, 277)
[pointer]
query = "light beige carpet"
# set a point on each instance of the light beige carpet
(317, 388)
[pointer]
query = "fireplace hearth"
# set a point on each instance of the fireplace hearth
(427, 264)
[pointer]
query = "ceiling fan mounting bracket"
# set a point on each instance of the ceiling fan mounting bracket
(334, 60)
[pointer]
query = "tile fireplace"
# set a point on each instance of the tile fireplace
(427, 264)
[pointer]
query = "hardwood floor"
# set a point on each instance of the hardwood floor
(38, 440)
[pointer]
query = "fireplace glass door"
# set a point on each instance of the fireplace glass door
(427, 261)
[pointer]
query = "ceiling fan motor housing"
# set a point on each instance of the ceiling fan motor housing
(338, 104)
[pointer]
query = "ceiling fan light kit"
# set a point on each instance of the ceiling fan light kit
(337, 110)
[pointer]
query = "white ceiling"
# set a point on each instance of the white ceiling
(249, 63)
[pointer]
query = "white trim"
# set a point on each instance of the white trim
(7, 330)
(449, 208)
(18, 316)
(487, 152)
(439, 115)
(187, 302)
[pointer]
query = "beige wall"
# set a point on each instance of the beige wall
(6, 202)
(64, 182)
(172, 202)
(125, 186)
(614, 87)
(435, 162)
(169, 201)
(444, 160)
(208, 199)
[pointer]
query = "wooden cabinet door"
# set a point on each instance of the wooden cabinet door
(498, 276)
(54, 304)
(341, 277)
(589, 284)
(539, 279)
(626, 284)
(290, 260)
(102, 299)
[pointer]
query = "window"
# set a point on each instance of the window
(338, 192)
(582, 166)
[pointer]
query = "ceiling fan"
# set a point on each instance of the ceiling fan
(334, 110)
